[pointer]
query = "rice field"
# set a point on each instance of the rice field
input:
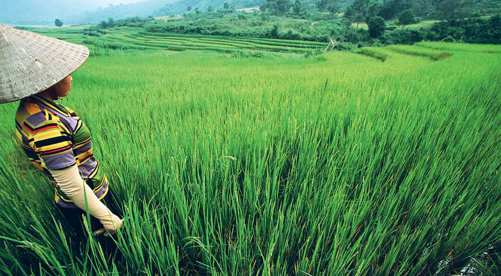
(130, 38)
(478, 48)
(339, 165)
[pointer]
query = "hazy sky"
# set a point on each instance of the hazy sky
(44, 11)
(107, 2)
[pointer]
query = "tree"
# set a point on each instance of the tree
(373, 9)
(327, 5)
(277, 6)
(58, 22)
(298, 7)
(495, 22)
(103, 24)
(210, 9)
(275, 33)
(111, 22)
(422, 8)
(376, 26)
(106, 24)
(495, 26)
(227, 8)
(322, 4)
(283, 6)
(407, 17)
(392, 8)
(358, 11)
(453, 9)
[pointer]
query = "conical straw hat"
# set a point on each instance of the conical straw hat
(31, 63)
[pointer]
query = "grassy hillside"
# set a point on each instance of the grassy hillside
(276, 165)
(252, 25)
(319, 27)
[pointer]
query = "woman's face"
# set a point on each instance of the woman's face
(62, 88)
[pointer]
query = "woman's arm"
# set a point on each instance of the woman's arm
(53, 144)
(71, 184)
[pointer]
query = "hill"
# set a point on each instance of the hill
(32, 12)
(182, 6)
(141, 9)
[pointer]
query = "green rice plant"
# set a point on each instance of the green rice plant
(259, 40)
(282, 165)
(223, 42)
(445, 46)
(412, 50)
(373, 53)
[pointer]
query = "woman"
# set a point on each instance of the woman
(37, 70)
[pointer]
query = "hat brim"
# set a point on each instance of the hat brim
(30, 63)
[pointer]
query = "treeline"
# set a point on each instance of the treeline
(100, 28)
(459, 20)
(469, 30)
(127, 22)
(303, 7)
(473, 30)
(363, 10)
(252, 25)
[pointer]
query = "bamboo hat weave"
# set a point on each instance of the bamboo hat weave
(31, 63)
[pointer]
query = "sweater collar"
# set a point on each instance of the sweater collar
(51, 104)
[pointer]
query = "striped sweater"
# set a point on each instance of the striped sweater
(54, 138)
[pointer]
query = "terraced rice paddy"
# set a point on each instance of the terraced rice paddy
(340, 165)
(126, 38)
(457, 47)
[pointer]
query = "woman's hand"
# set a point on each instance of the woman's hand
(117, 223)
(112, 224)
(70, 182)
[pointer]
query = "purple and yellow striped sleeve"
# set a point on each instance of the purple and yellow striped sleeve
(52, 143)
